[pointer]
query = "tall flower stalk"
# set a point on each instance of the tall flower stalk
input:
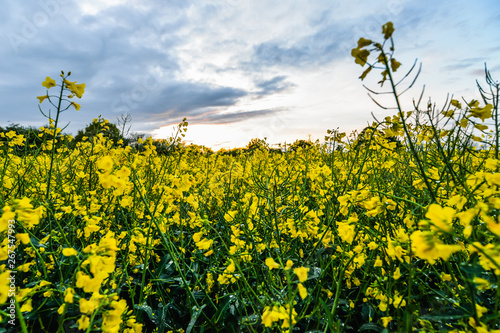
(66, 86)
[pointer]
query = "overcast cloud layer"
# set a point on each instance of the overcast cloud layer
(236, 69)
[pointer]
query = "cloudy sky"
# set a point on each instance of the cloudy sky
(235, 69)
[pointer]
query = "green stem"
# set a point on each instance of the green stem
(405, 127)
(58, 112)
(21, 318)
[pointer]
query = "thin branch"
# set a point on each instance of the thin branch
(377, 92)
(383, 107)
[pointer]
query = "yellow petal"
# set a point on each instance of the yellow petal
(48, 83)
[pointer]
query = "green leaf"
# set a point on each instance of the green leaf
(196, 313)
(446, 317)
(370, 327)
(149, 312)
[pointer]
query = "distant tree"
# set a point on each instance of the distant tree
(167, 146)
(198, 149)
(257, 144)
(133, 138)
(301, 144)
(122, 124)
(231, 152)
(109, 130)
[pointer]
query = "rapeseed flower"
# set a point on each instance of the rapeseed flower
(112, 318)
(482, 113)
(48, 83)
(302, 290)
(68, 252)
(386, 320)
(83, 322)
(271, 263)
(301, 273)
(4, 286)
(42, 98)
(271, 315)
(68, 295)
(425, 246)
(346, 231)
(441, 217)
(105, 163)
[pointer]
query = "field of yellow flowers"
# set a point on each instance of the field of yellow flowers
(394, 229)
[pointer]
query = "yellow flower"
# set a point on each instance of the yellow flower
(426, 247)
(42, 98)
(387, 30)
(204, 244)
(285, 312)
(27, 307)
(360, 56)
(301, 273)
(105, 163)
(346, 231)
(481, 283)
(231, 267)
(397, 274)
(456, 103)
(4, 286)
(302, 290)
(69, 251)
(79, 90)
(289, 264)
(83, 323)
(68, 295)
(48, 83)
(386, 321)
(24, 267)
(441, 217)
(112, 319)
(481, 127)
(88, 284)
(448, 113)
(271, 263)
(445, 277)
(23, 237)
(76, 105)
(270, 316)
(197, 236)
(88, 306)
(61, 308)
(70, 85)
(482, 113)
(481, 310)
(493, 226)
(362, 42)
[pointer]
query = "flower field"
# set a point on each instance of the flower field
(392, 229)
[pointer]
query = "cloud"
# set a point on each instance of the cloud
(316, 49)
(186, 99)
(274, 85)
(233, 117)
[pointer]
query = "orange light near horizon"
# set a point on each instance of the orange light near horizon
(214, 136)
